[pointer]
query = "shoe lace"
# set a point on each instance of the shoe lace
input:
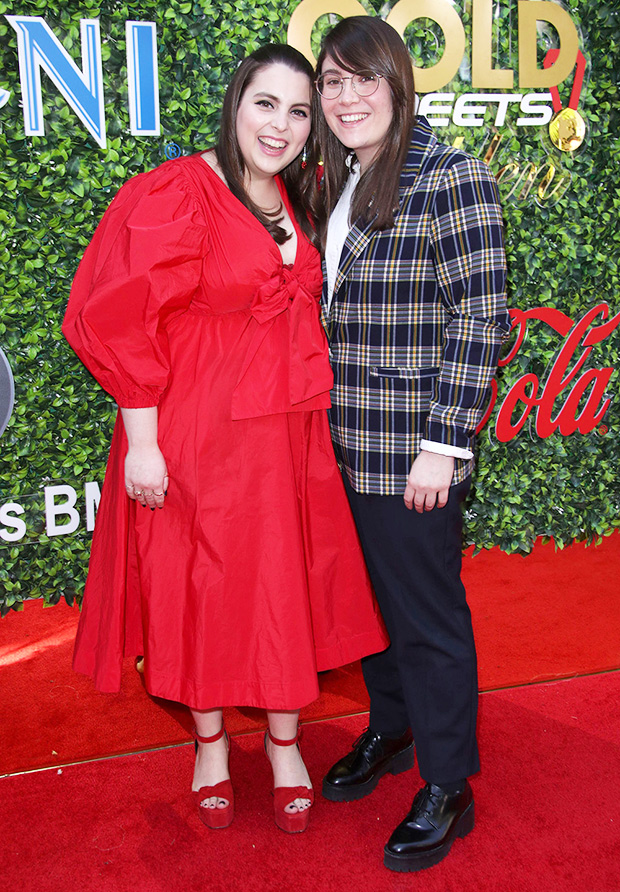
(424, 801)
(364, 734)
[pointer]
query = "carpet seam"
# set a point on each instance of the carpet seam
(155, 749)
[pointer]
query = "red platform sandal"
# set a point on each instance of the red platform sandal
(216, 818)
(290, 822)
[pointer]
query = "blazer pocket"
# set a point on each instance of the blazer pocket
(423, 376)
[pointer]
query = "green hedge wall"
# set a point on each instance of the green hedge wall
(54, 189)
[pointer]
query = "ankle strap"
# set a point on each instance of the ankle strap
(278, 742)
(215, 737)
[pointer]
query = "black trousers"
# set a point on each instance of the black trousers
(427, 679)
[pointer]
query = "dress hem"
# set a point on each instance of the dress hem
(236, 693)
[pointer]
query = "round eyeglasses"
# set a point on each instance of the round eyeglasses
(365, 83)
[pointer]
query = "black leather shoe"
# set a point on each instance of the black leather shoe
(426, 835)
(372, 756)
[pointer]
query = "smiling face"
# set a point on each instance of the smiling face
(361, 123)
(273, 120)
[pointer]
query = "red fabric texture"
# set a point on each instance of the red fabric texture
(251, 577)
(547, 813)
(51, 715)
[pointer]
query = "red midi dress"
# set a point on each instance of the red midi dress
(251, 578)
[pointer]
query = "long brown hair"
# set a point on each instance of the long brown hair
(300, 182)
(362, 43)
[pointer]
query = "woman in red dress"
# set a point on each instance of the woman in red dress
(224, 550)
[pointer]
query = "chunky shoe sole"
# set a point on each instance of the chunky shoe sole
(421, 860)
(402, 761)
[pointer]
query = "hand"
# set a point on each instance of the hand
(146, 475)
(429, 481)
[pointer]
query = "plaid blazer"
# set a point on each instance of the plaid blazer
(417, 319)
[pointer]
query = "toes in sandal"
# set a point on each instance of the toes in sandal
(216, 818)
(290, 822)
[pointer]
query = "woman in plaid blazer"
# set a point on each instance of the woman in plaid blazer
(414, 308)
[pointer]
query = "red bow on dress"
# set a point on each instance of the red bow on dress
(286, 367)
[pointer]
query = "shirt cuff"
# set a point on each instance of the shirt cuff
(445, 449)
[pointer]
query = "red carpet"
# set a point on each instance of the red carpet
(548, 615)
(548, 813)
(545, 616)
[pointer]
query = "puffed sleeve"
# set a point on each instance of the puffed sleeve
(140, 270)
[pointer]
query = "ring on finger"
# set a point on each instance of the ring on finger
(157, 493)
(138, 492)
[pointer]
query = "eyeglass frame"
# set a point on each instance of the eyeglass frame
(349, 78)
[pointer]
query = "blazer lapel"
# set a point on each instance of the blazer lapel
(359, 236)
(355, 243)
(422, 142)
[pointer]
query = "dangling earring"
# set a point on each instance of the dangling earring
(304, 158)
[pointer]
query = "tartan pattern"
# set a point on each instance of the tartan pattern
(417, 319)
